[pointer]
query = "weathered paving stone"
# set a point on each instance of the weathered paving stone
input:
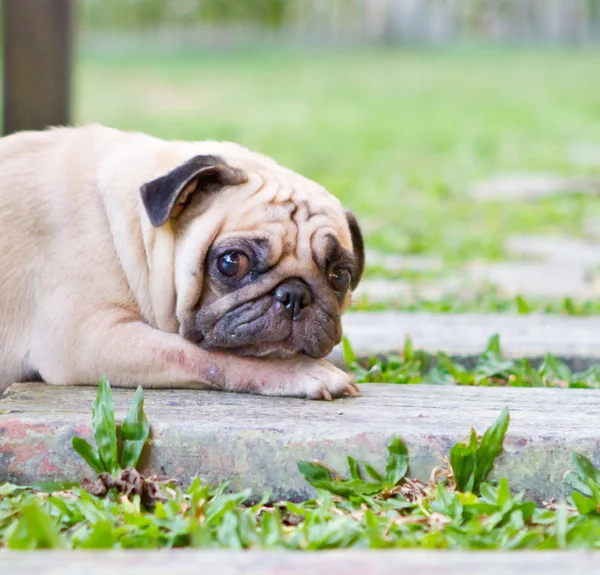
(537, 280)
(591, 228)
(345, 562)
(532, 335)
(256, 441)
(401, 262)
(585, 154)
(562, 275)
(380, 290)
(573, 339)
(377, 290)
(532, 186)
(558, 249)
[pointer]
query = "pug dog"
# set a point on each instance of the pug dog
(169, 265)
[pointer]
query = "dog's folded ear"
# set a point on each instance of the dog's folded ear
(166, 197)
(358, 246)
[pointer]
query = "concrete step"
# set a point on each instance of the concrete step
(255, 441)
(350, 562)
(575, 340)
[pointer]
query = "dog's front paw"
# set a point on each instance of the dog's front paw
(308, 378)
(326, 381)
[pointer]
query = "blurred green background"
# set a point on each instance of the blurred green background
(398, 107)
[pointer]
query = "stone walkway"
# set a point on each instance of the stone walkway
(542, 268)
(573, 339)
(532, 186)
(254, 442)
(539, 267)
(346, 562)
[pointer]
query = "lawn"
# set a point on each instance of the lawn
(400, 136)
(377, 509)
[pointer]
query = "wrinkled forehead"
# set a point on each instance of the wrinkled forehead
(295, 215)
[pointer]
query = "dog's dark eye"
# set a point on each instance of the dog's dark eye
(339, 278)
(233, 265)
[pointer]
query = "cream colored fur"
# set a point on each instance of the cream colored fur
(87, 285)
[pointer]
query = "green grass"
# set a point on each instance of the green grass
(490, 369)
(399, 136)
(485, 301)
(458, 509)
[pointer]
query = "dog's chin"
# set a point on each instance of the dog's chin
(266, 350)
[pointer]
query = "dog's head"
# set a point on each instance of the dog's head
(265, 259)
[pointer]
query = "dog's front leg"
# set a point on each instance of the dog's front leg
(133, 353)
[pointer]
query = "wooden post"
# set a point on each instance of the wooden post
(37, 63)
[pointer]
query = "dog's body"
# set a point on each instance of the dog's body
(98, 277)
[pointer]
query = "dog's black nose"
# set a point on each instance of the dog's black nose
(294, 294)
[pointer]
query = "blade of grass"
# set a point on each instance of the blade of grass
(105, 428)
(134, 431)
(89, 454)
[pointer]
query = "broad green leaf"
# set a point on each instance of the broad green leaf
(397, 462)
(584, 504)
(491, 364)
(570, 306)
(313, 471)
(493, 345)
(227, 531)
(374, 530)
(490, 447)
(447, 503)
(223, 503)
(503, 492)
(488, 493)
(586, 468)
(348, 352)
(408, 349)
(373, 473)
(89, 454)
(562, 526)
(200, 535)
(595, 491)
(105, 428)
(522, 306)
(353, 466)
(573, 480)
(270, 528)
(555, 369)
(455, 369)
(134, 431)
(462, 461)
(263, 501)
(35, 529)
(101, 536)
(9, 489)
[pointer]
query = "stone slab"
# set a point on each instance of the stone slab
(403, 262)
(538, 281)
(585, 154)
(392, 291)
(569, 271)
(575, 340)
(532, 186)
(559, 249)
(535, 280)
(377, 290)
(591, 228)
(346, 562)
(256, 441)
